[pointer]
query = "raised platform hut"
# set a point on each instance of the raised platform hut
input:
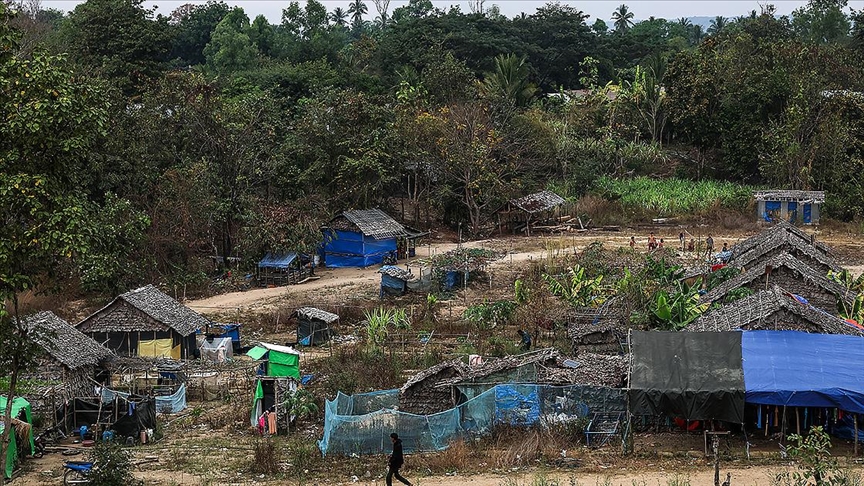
(519, 214)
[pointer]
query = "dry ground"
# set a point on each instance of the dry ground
(197, 452)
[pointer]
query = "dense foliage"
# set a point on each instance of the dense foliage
(207, 133)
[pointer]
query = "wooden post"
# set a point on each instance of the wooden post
(855, 422)
(797, 421)
(715, 440)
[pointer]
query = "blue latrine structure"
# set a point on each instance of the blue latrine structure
(361, 238)
(788, 205)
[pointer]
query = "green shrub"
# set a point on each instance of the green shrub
(672, 197)
(112, 465)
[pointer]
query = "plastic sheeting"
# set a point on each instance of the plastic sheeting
(279, 261)
(174, 403)
(692, 375)
(219, 350)
(158, 348)
(19, 404)
(352, 249)
(361, 424)
(799, 369)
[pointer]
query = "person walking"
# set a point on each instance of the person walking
(396, 461)
(709, 245)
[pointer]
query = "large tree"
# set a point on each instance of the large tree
(194, 24)
(120, 39)
(50, 121)
(622, 18)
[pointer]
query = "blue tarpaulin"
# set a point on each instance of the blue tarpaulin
(352, 249)
(799, 369)
(280, 261)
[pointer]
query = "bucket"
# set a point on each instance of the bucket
(143, 436)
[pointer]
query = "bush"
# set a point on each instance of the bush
(112, 465)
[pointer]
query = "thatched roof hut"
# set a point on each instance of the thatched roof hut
(775, 310)
(419, 395)
(65, 344)
(781, 227)
(789, 273)
(782, 239)
(145, 322)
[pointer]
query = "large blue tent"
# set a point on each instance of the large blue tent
(800, 369)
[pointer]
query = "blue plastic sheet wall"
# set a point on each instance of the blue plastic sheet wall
(351, 249)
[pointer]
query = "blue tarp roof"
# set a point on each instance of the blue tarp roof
(277, 261)
(804, 370)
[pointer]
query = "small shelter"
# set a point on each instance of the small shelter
(313, 325)
(691, 375)
(783, 238)
(146, 322)
(284, 269)
(602, 330)
(394, 280)
(520, 213)
(773, 309)
(21, 439)
(278, 361)
(361, 238)
(789, 273)
(217, 349)
(271, 393)
(789, 205)
(78, 356)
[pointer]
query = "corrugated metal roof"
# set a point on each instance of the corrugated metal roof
(313, 313)
(790, 195)
(540, 201)
(375, 223)
(396, 272)
(281, 261)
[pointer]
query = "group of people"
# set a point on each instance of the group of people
(654, 244)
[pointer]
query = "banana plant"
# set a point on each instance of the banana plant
(579, 290)
(676, 310)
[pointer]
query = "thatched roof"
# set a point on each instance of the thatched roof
(592, 369)
(790, 195)
(770, 241)
(373, 223)
(152, 302)
(537, 202)
(758, 240)
(759, 311)
(318, 314)
(782, 260)
(495, 365)
(396, 272)
(455, 366)
(72, 348)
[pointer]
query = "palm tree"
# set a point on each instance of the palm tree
(623, 18)
(339, 17)
(357, 9)
(509, 81)
(684, 22)
(718, 25)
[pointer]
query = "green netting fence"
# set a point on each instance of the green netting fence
(361, 424)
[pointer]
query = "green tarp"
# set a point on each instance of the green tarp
(281, 360)
(18, 404)
(283, 364)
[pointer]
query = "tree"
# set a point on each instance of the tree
(599, 27)
(339, 17)
(509, 84)
(262, 35)
(50, 122)
(821, 21)
(119, 38)
(718, 25)
(357, 9)
(194, 24)
(382, 7)
(623, 18)
(230, 48)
